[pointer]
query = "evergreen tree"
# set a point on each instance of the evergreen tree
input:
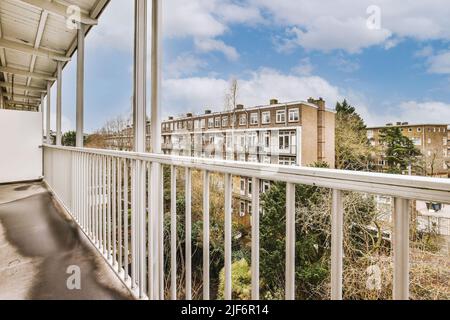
(400, 152)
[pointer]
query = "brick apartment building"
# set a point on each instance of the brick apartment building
(431, 139)
(292, 133)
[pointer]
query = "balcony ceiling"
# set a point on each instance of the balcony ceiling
(33, 37)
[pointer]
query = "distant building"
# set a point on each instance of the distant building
(292, 133)
(431, 139)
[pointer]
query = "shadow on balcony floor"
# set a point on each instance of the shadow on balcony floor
(38, 243)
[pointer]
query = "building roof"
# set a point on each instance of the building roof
(218, 113)
(34, 36)
(410, 125)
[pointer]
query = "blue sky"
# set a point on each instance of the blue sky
(390, 59)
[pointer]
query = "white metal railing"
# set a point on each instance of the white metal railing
(94, 186)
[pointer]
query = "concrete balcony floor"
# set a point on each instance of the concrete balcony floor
(39, 242)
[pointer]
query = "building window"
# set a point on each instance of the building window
(284, 139)
(210, 122)
(369, 134)
(242, 186)
(266, 159)
(417, 141)
(281, 116)
(217, 122)
(252, 139)
(267, 139)
(265, 117)
(189, 125)
(250, 209)
(286, 161)
(444, 141)
(242, 209)
(252, 158)
(249, 186)
(196, 124)
(444, 153)
(294, 115)
(254, 118)
(242, 119)
(419, 129)
(265, 186)
(410, 130)
(429, 140)
(203, 123)
(225, 122)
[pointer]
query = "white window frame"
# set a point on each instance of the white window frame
(280, 116)
(211, 122)
(225, 121)
(217, 122)
(264, 115)
(294, 115)
(243, 119)
(254, 118)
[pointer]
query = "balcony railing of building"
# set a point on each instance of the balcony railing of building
(102, 189)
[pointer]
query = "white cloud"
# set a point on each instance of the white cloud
(341, 24)
(210, 45)
(194, 94)
(351, 35)
(424, 52)
(184, 65)
(424, 112)
(439, 63)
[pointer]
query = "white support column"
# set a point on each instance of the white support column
(47, 115)
(80, 87)
(155, 147)
(58, 103)
(337, 215)
(401, 249)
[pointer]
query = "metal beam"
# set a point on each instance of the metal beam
(27, 73)
(22, 87)
(21, 103)
(43, 53)
(37, 42)
(156, 55)
(60, 10)
(21, 96)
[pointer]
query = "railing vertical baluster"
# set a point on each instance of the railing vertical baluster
(188, 231)
(133, 223)
(161, 231)
(337, 216)
(125, 219)
(96, 194)
(255, 239)
(290, 241)
(227, 231)
(173, 232)
(401, 249)
(119, 210)
(114, 210)
(206, 295)
(150, 258)
(109, 207)
(104, 203)
(141, 224)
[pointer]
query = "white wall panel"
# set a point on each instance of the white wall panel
(20, 140)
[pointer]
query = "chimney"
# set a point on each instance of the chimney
(189, 115)
(399, 123)
(405, 123)
(389, 124)
(207, 111)
(320, 128)
(239, 107)
(170, 118)
(273, 101)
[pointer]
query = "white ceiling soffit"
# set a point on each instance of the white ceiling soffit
(34, 36)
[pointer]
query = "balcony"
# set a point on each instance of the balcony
(106, 210)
